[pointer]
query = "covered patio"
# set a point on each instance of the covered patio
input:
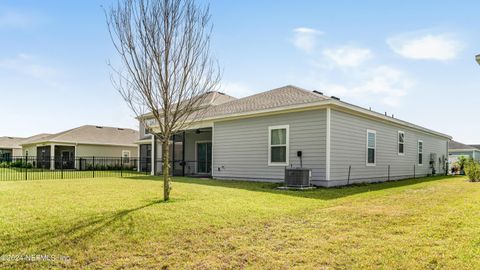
(190, 153)
(56, 156)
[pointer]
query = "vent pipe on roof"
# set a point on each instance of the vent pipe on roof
(385, 113)
(318, 92)
(99, 127)
(334, 97)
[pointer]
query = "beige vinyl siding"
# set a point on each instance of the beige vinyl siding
(30, 149)
(348, 147)
(16, 152)
(84, 150)
(240, 147)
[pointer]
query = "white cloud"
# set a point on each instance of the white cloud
(305, 38)
(26, 65)
(425, 46)
(380, 83)
(348, 56)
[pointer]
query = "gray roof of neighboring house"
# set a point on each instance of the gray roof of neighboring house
(10, 142)
(216, 98)
(475, 145)
(35, 138)
(89, 134)
(460, 146)
(280, 97)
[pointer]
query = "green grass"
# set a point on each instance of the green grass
(432, 223)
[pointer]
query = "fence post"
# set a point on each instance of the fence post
(388, 172)
(121, 167)
(61, 165)
(93, 167)
(349, 170)
(26, 169)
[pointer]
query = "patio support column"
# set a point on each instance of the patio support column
(183, 153)
(154, 151)
(52, 157)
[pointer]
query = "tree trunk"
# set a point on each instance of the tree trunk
(166, 169)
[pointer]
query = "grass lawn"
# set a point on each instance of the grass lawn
(433, 223)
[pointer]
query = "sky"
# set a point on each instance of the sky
(413, 59)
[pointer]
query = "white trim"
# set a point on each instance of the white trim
(328, 147)
(196, 148)
(418, 152)
(375, 149)
(287, 145)
(398, 142)
(213, 136)
(129, 155)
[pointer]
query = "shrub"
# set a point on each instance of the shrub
(5, 164)
(472, 170)
(461, 162)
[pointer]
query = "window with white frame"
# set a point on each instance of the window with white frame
(420, 152)
(401, 142)
(278, 145)
(126, 156)
(371, 147)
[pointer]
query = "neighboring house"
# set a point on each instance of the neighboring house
(84, 141)
(257, 137)
(10, 147)
(457, 149)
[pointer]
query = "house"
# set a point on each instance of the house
(457, 149)
(10, 147)
(185, 161)
(257, 137)
(85, 141)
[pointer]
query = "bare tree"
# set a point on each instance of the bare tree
(166, 65)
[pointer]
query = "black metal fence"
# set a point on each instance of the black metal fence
(35, 168)
(379, 173)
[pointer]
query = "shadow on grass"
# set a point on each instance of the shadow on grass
(51, 238)
(319, 193)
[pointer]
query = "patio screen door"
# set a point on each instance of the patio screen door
(204, 157)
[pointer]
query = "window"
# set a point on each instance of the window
(371, 147)
(401, 142)
(420, 152)
(278, 145)
(126, 156)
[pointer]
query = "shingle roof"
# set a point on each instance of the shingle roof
(280, 97)
(216, 98)
(34, 138)
(89, 134)
(459, 146)
(284, 98)
(10, 142)
(475, 145)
